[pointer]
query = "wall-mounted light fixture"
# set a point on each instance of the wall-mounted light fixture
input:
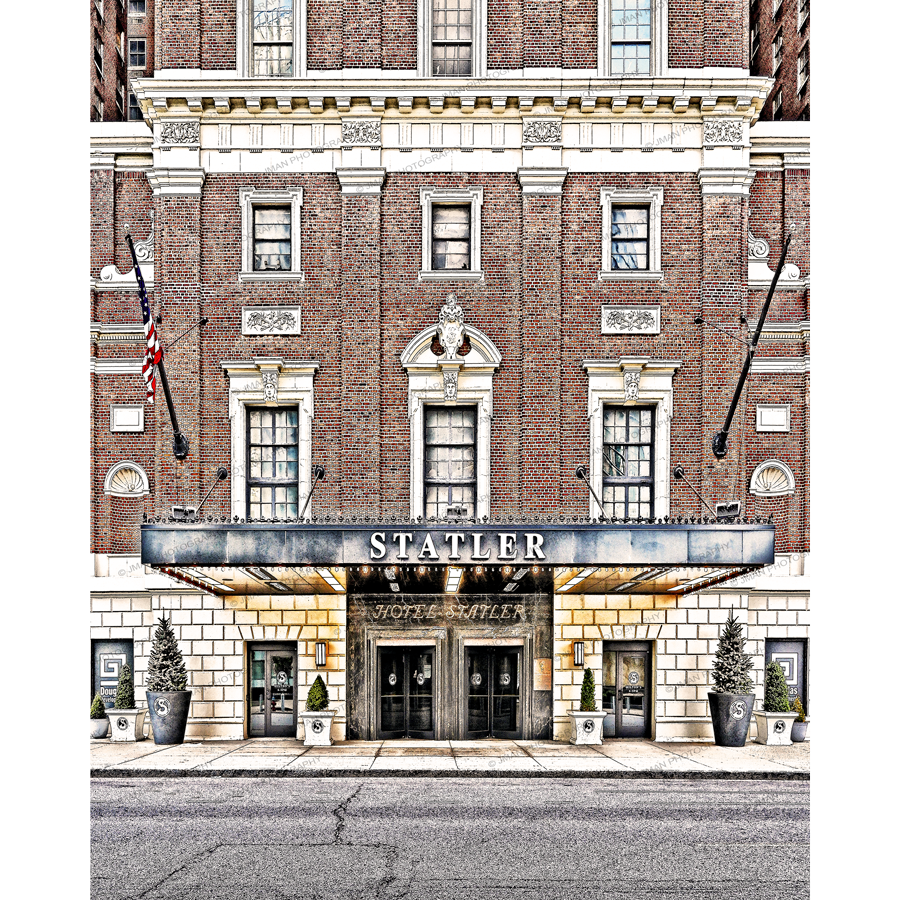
(578, 652)
(320, 654)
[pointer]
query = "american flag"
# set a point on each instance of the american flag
(153, 351)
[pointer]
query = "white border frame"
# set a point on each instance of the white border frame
(126, 429)
(433, 196)
(773, 464)
(115, 469)
(244, 37)
(610, 197)
(769, 429)
(245, 388)
(250, 197)
(606, 387)
(659, 40)
(479, 42)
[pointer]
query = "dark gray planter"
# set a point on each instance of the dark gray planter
(798, 732)
(168, 715)
(731, 715)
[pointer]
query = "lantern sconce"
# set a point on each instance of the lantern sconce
(578, 652)
(320, 654)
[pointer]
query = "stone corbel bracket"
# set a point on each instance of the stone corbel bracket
(759, 275)
(111, 279)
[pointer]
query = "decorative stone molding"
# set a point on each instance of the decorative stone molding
(542, 131)
(723, 131)
(248, 197)
(652, 197)
(180, 132)
(126, 479)
(542, 182)
(269, 381)
(361, 132)
(649, 384)
(760, 276)
(270, 320)
(111, 279)
(629, 319)
(772, 478)
(176, 182)
(735, 181)
(126, 417)
(446, 380)
(365, 182)
(773, 417)
(451, 329)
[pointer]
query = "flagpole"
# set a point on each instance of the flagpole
(180, 445)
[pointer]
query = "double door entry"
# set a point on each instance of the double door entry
(494, 692)
(272, 699)
(406, 692)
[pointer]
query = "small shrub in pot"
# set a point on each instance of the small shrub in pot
(587, 723)
(798, 729)
(317, 718)
(774, 724)
(99, 721)
(126, 720)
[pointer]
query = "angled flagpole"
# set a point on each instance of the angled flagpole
(153, 358)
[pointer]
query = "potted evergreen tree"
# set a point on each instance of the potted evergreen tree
(317, 718)
(168, 698)
(798, 729)
(773, 724)
(587, 723)
(731, 701)
(99, 720)
(127, 720)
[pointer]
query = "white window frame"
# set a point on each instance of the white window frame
(244, 35)
(430, 197)
(652, 197)
(606, 387)
(144, 40)
(784, 409)
(776, 6)
(250, 197)
(659, 40)
(475, 385)
(131, 13)
(246, 387)
(479, 42)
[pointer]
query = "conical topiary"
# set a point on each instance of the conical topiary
(317, 699)
(797, 707)
(775, 695)
(732, 667)
(165, 668)
(98, 710)
(125, 689)
(588, 701)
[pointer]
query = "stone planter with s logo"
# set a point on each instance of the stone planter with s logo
(731, 714)
(774, 728)
(316, 727)
(168, 715)
(587, 727)
(126, 724)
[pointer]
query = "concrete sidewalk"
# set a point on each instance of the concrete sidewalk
(286, 757)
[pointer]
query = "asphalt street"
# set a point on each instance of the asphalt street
(431, 839)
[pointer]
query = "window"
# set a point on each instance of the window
(137, 7)
(776, 6)
(271, 234)
(273, 463)
(120, 101)
(137, 53)
(776, 105)
(802, 69)
(754, 42)
(630, 237)
(451, 234)
(628, 462)
(449, 461)
(777, 51)
(451, 36)
(134, 109)
(631, 234)
(630, 43)
(273, 37)
(98, 54)
(802, 13)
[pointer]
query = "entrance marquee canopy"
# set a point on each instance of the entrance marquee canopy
(584, 556)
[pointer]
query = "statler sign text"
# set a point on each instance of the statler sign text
(473, 546)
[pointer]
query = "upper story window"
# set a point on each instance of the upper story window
(273, 460)
(802, 68)
(777, 51)
(630, 236)
(628, 462)
(776, 7)
(754, 42)
(272, 37)
(271, 238)
(451, 237)
(630, 37)
(802, 13)
(776, 105)
(451, 37)
(137, 7)
(134, 109)
(451, 233)
(449, 461)
(270, 234)
(137, 53)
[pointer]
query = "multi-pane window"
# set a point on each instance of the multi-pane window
(630, 37)
(272, 461)
(451, 37)
(134, 109)
(120, 101)
(137, 7)
(137, 53)
(776, 6)
(802, 13)
(754, 41)
(776, 105)
(628, 462)
(630, 235)
(449, 461)
(777, 50)
(273, 37)
(451, 236)
(271, 238)
(802, 68)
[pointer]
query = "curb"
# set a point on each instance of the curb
(444, 773)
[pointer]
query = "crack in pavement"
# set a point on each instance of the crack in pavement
(196, 858)
(340, 812)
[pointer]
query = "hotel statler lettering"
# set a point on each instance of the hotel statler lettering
(423, 611)
(469, 547)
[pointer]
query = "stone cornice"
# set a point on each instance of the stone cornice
(542, 182)
(366, 182)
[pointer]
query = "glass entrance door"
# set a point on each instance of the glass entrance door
(406, 692)
(493, 685)
(272, 700)
(626, 689)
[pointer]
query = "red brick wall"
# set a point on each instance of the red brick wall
(794, 106)
(399, 38)
(178, 26)
(579, 34)
(325, 35)
(218, 34)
